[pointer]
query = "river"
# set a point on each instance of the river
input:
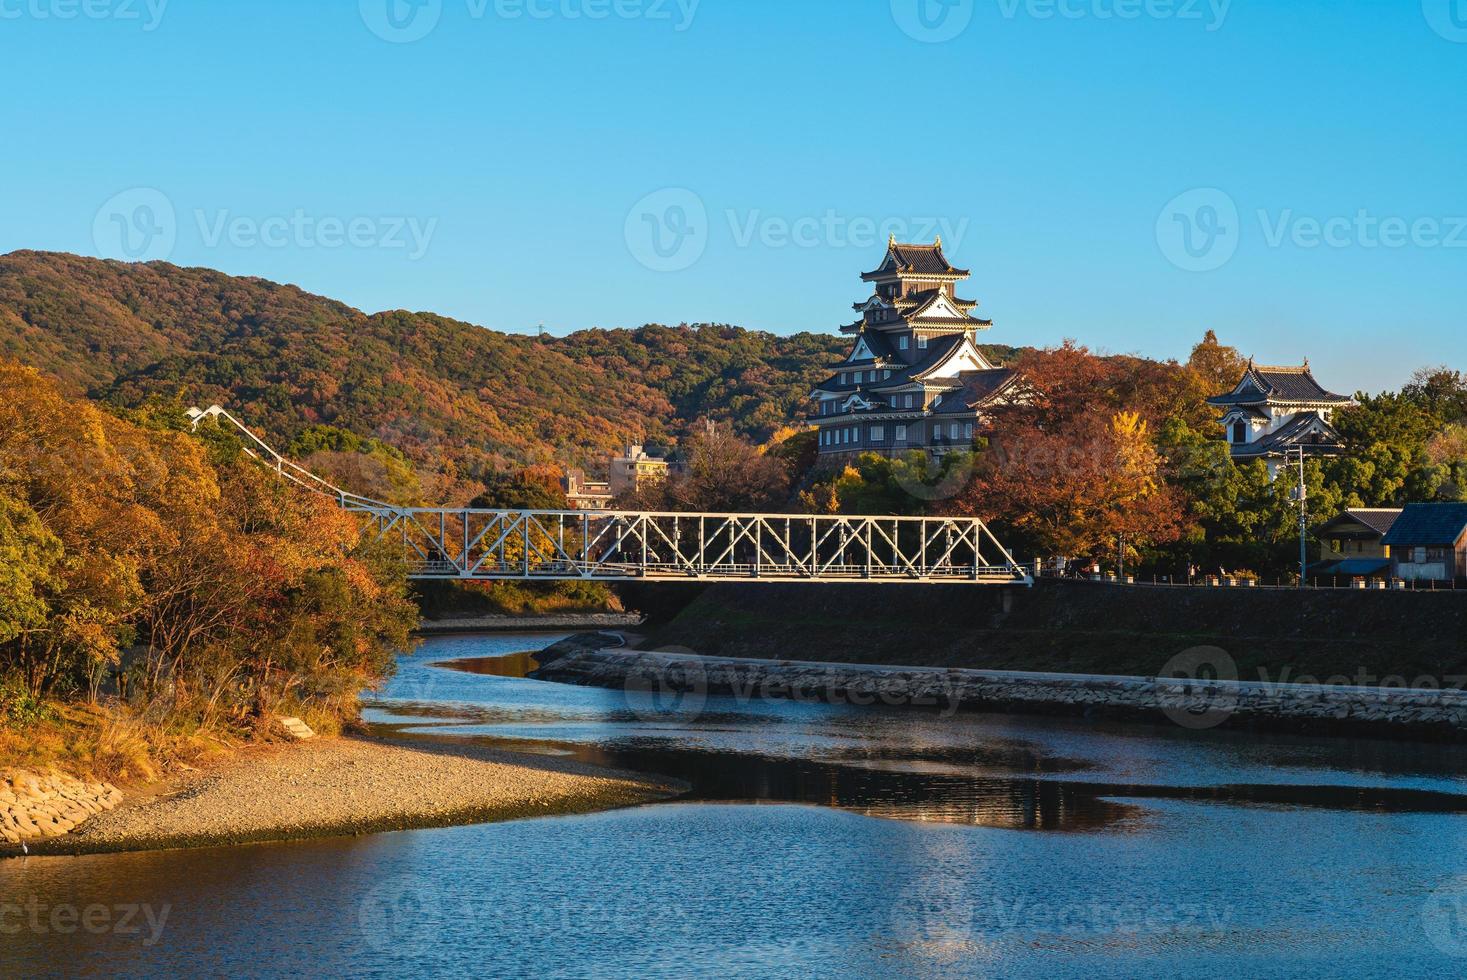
(817, 840)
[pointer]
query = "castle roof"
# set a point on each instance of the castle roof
(979, 388)
(1261, 385)
(914, 260)
(1308, 429)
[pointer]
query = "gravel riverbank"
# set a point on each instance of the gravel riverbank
(554, 622)
(345, 786)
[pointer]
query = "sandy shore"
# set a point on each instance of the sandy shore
(337, 787)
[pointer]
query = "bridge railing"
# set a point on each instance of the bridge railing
(628, 546)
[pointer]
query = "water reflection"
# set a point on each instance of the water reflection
(888, 764)
(1203, 863)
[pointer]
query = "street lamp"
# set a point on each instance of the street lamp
(1301, 494)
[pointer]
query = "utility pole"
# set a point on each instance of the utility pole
(1302, 495)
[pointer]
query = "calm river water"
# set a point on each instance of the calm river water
(818, 840)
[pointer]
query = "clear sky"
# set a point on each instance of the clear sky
(1292, 173)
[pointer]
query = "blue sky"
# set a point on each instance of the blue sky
(1124, 172)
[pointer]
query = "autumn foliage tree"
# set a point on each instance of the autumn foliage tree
(1072, 467)
(208, 589)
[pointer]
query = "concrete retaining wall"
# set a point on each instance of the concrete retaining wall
(1438, 714)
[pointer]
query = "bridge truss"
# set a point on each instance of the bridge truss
(529, 545)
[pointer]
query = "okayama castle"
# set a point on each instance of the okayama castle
(915, 378)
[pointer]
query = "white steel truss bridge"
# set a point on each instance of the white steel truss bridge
(530, 545)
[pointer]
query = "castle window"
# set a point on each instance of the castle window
(921, 343)
(968, 431)
(901, 433)
(1240, 432)
(878, 433)
(902, 343)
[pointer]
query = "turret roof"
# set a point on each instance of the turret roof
(914, 260)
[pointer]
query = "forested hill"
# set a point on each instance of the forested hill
(439, 389)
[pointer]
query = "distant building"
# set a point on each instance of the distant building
(1428, 542)
(584, 494)
(1274, 411)
(914, 378)
(637, 469)
(633, 470)
(1353, 544)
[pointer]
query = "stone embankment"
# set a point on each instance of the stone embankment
(1197, 704)
(36, 805)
